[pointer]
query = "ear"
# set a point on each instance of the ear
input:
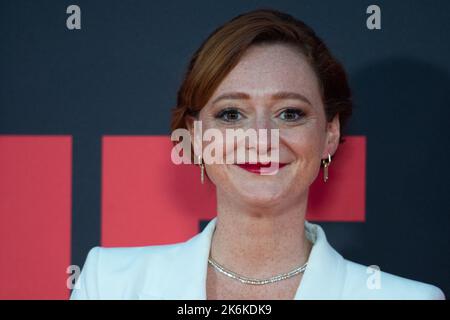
(333, 137)
(196, 136)
(189, 121)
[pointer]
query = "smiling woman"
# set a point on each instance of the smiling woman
(262, 70)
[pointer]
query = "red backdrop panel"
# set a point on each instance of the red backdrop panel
(35, 216)
(146, 199)
(343, 196)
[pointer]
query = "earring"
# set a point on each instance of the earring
(326, 164)
(202, 170)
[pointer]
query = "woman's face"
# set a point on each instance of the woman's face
(304, 135)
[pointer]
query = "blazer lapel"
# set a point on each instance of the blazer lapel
(182, 274)
(325, 274)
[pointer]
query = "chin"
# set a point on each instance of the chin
(253, 189)
(260, 195)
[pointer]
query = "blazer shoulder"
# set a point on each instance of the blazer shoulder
(117, 272)
(369, 282)
(124, 257)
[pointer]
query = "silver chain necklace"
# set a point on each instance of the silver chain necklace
(253, 281)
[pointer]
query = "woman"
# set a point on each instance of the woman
(261, 70)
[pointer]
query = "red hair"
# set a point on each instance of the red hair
(223, 49)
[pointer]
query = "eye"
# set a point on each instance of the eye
(229, 115)
(291, 114)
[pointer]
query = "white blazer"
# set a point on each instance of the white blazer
(178, 271)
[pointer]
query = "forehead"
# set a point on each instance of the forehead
(265, 69)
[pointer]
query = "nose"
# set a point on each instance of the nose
(263, 125)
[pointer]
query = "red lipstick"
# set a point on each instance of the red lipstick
(258, 167)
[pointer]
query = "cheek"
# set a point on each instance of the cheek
(228, 148)
(306, 145)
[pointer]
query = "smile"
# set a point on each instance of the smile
(259, 168)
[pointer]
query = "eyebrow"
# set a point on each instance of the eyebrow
(276, 96)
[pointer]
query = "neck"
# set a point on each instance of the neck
(260, 242)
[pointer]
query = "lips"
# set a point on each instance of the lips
(260, 168)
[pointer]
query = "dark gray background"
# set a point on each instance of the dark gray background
(120, 72)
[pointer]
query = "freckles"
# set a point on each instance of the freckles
(305, 143)
(301, 138)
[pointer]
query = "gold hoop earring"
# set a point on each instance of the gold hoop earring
(326, 164)
(202, 170)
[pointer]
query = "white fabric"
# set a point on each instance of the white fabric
(178, 271)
